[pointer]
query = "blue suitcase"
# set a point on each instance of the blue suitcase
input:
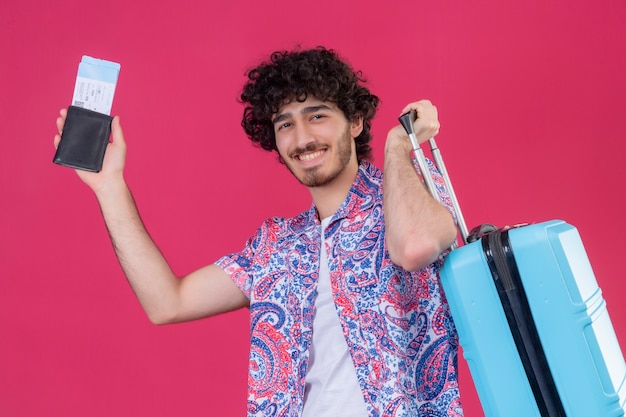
(533, 325)
(532, 322)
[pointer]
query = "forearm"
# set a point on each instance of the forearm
(418, 228)
(146, 269)
(164, 297)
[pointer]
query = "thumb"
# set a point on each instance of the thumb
(117, 133)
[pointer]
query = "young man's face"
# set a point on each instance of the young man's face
(315, 140)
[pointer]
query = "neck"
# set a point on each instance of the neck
(328, 198)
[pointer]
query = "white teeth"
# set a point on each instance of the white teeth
(310, 156)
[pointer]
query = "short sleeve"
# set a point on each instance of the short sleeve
(238, 265)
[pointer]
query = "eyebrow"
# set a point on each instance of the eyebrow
(305, 110)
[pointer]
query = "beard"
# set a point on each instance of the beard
(314, 177)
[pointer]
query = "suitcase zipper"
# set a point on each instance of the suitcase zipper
(506, 277)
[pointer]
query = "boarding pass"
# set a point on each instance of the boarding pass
(95, 84)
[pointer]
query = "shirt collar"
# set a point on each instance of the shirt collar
(361, 195)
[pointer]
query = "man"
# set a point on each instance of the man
(347, 316)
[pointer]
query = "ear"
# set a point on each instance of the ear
(356, 126)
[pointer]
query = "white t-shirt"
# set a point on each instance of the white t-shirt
(331, 385)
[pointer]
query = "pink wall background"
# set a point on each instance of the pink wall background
(532, 102)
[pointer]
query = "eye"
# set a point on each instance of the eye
(317, 116)
(283, 126)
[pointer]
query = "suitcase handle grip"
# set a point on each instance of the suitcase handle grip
(407, 120)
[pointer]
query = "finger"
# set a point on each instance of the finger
(60, 122)
(426, 111)
(117, 132)
(418, 106)
(409, 107)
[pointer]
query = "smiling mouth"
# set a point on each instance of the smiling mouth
(305, 157)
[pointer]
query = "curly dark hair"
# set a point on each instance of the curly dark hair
(294, 75)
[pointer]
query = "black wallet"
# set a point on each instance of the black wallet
(84, 139)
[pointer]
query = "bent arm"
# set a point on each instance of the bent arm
(164, 297)
(418, 228)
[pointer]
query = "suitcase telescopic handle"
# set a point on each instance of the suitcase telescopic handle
(407, 120)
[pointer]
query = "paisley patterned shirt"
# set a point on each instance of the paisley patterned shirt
(397, 324)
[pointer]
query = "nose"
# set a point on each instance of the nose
(303, 136)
